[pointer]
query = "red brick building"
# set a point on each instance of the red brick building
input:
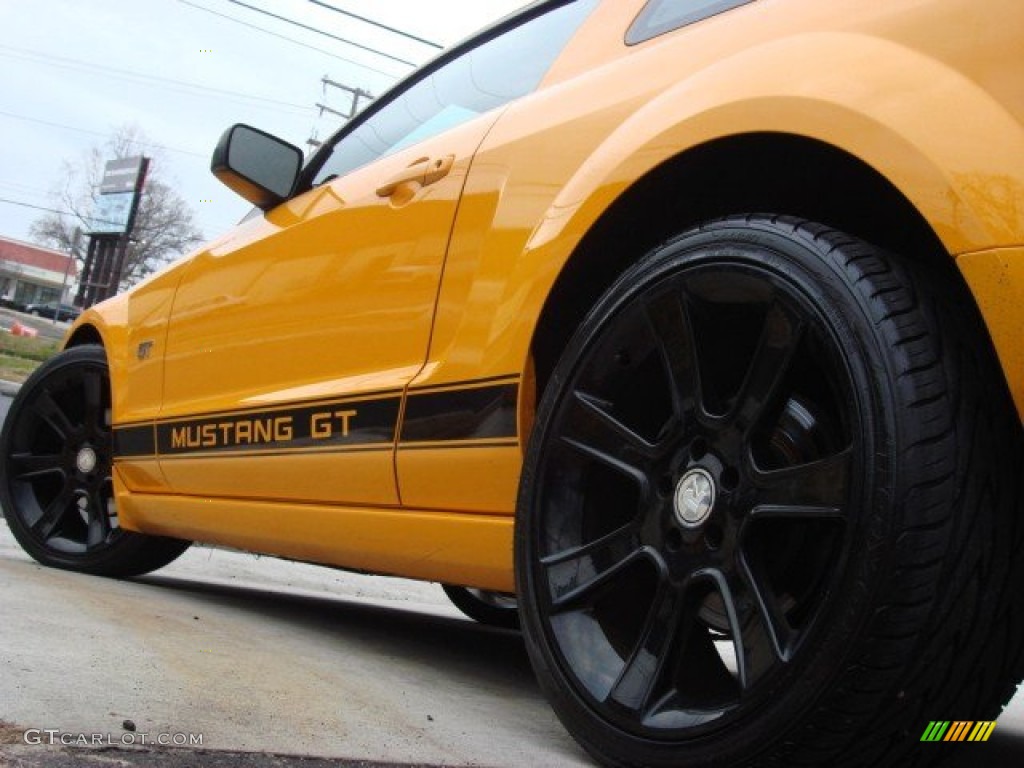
(31, 274)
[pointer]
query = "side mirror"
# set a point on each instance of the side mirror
(259, 167)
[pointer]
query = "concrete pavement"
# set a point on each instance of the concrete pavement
(262, 655)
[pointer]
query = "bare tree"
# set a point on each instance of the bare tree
(164, 225)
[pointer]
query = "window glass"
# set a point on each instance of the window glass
(488, 76)
(661, 16)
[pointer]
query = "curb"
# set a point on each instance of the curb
(9, 388)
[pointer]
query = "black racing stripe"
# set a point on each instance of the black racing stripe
(338, 424)
(134, 441)
(477, 413)
(459, 412)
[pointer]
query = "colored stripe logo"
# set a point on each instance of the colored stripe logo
(958, 730)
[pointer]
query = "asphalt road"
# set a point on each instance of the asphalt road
(279, 664)
(46, 328)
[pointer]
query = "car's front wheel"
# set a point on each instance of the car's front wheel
(771, 508)
(57, 492)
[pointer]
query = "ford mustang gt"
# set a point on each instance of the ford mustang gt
(689, 334)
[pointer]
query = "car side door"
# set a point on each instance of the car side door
(291, 341)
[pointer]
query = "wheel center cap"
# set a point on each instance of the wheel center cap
(86, 460)
(695, 497)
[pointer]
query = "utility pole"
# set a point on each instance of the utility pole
(354, 95)
(75, 240)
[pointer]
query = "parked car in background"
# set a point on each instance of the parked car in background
(54, 311)
(691, 330)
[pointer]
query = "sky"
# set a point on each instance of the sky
(182, 71)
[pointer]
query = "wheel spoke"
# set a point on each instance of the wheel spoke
(757, 640)
(596, 433)
(50, 412)
(54, 513)
(771, 614)
(576, 576)
(596, 428)
(817, 489)
(703, 674)
(92, 387)
(670, 321)
(660, 637)
(28, 465)
(776, 348)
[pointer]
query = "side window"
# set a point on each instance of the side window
(490, 75)
(661, 16)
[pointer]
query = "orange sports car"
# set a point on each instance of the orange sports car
(686, 333)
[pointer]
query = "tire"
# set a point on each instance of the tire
(495, 609)
(57, 492)
(771, 511)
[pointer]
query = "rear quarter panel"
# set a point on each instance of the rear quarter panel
(923, 92)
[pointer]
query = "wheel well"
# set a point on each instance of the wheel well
(753, 173)
(84, 334)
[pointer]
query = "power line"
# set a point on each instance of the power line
(221, 227)
(290, 40)
(37, 207)
(66, 61)
(97, 133)
(308, 28)
(25, 189)
(376, 24)
(54, 210)
(69, 63)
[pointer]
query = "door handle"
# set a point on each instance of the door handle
(424, 171)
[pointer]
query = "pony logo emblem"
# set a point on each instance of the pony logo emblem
(695, 498)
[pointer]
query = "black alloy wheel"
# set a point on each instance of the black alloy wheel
(712, 517)
(494, 609)
(57, 489)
